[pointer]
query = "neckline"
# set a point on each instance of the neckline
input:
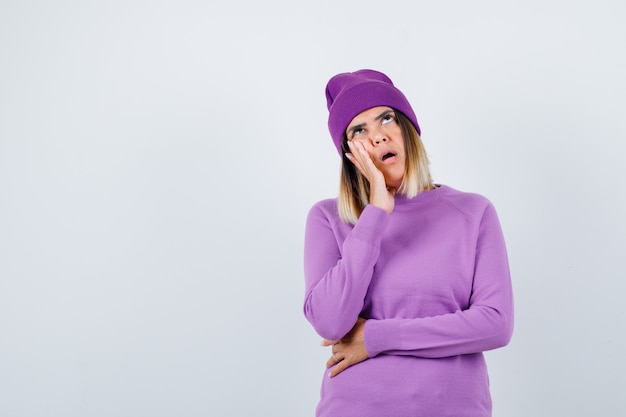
(401, 199)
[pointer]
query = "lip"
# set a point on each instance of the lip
(390, 159)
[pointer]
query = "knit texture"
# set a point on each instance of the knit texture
(432, 279)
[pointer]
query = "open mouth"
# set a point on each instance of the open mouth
(388, 155)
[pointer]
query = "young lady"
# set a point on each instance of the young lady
(406, 280)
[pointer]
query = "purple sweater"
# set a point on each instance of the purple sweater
(432, 279)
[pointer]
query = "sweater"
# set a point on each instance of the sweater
(432, 280)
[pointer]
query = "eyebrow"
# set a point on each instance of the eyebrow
(361, 125)
(383, 114)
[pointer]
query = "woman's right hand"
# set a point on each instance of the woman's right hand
(380, 195)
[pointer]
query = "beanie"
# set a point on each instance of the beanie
(350, 93)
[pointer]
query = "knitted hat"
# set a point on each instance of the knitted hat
(350, 93)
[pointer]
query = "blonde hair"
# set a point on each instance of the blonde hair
(354, 187)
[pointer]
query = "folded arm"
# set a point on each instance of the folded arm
(487, 323)
(337, 279)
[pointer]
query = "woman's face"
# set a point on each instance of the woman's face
(379, 132)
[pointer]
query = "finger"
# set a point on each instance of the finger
(333, 357)
(362, 160)
(355, 158)
(332, 361)
(326, 342)
(357, 163)
(365, 163)
(360, 154)
(339, 368)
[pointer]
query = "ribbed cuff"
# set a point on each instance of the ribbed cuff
(378, 336)
(371, 224)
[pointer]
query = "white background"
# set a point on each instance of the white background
(158, 159)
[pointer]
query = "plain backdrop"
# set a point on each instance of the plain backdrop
(158, 160)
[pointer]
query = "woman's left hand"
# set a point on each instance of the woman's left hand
(348, 351)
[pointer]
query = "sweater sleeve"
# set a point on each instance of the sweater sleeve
(487, 323)
(337, 278)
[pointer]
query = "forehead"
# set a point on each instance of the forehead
(369, 115)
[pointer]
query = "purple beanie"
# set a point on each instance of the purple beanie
(350, 93)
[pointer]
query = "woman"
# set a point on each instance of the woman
(407, 281)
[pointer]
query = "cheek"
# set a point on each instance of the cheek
(401, 147)
(374, 159)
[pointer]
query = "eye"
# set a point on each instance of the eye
(388, 118)
(355, 132)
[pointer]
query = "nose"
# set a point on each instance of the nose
(377, 137)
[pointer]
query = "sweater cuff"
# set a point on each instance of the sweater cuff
(371, 223)
(377, 336)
